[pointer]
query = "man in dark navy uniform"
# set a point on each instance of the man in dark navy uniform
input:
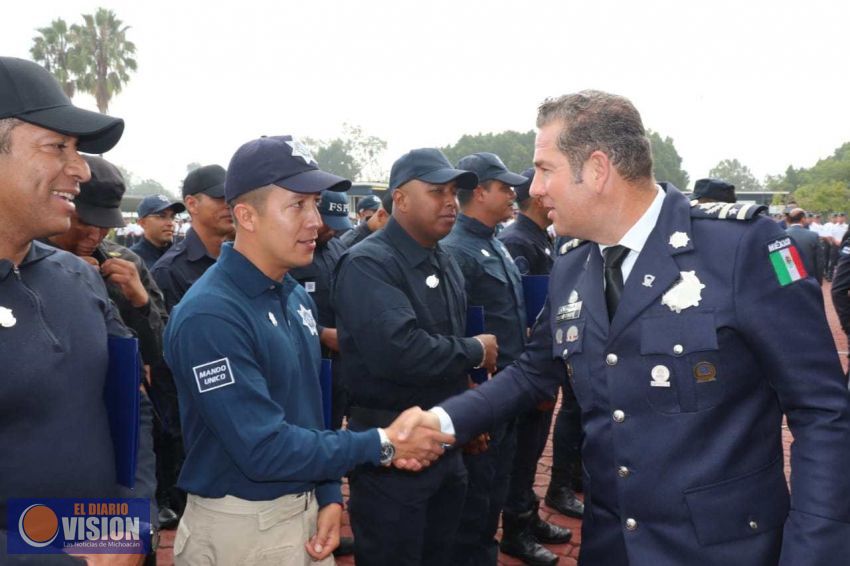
(262, 477)
(671, 319)
(528, 242)
(494, 283)
(401, 317)
(212, 225)
(376, 221)
(55, 313)
(156, 217)
(316, 279)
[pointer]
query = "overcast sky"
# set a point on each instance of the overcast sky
(763, 82)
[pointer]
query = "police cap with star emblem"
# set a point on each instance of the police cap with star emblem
(278, 160)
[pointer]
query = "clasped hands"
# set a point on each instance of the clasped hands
(417, 439)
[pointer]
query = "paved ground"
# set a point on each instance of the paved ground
(567, 552)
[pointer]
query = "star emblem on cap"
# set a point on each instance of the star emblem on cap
(301, 150)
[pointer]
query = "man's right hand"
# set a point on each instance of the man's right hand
(417, 439)
(491, 351)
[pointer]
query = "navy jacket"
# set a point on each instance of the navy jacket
(401, 320)
(180, 267)
(492, 281)
(244, 351)
(529, 245)
(807, 245)
(149, 253)
(682, 411)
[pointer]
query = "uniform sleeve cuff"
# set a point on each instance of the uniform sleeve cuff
(446, 425)
(329, 492)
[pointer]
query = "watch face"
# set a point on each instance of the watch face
(387, 453)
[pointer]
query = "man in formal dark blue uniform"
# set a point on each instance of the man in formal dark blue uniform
(401, 317)
(212, 225)
(494, 283)
(262, 477)
(156, 217)
(671, 319)
(806, 241)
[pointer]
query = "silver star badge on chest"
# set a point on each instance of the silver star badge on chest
(307, 319)
(684, 294)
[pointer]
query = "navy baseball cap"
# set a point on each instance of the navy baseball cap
(431, 166)
(29, 92)
(208, 179)
(714, 189)
(523, 190)
(369, 202)
(488, 166)
(154, 204)
(334, 210)
(99, 201)
(278, 160)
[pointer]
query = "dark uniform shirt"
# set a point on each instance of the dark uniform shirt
(317, 277)
(491, 281)
(149, 253)
(180, 267)
(356, 235)
(146, 321)
(529, 245)
(401, 317)
(841, 284)
(244, 351)
(54, 431)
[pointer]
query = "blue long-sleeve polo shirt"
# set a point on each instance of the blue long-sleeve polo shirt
(244, 351)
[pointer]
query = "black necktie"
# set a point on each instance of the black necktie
(614, 256)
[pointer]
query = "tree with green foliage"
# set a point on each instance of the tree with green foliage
(734, 172)
(54, 49)
(666, 162)
(823, 197)
(355, 155)
(515, 148)
(106, 56)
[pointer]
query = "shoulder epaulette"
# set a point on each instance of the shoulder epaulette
(570, 245)
(726, 210)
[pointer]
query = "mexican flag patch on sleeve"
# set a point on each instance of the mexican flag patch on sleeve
(786, 261)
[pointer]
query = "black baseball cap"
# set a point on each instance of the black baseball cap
(99, 201)
(714, 189)
(278, 160)
(369, 202)
(29, 92)
(431, 166)
(208, 179)
(488, 166)
(153, 204)
(523, 189)
(334, 210)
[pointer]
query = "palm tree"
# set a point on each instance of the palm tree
(106, 56)
(54, 49)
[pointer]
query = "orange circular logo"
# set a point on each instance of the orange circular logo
(38, 525)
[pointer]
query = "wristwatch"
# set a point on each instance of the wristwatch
(387, 448)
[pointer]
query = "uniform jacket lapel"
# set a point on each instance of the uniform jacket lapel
(657, 259)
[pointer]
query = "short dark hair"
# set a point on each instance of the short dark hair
(6, 127)
(387, 201)
(599, 121)
(256, 199)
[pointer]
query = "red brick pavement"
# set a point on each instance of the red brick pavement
(567, 552)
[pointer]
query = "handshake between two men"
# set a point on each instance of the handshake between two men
(417, 435)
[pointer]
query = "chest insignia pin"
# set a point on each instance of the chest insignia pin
(648, 280)
(679, 240)
(272, 319)
(432, 281)
(7, 319)
(684, 294)
(307, 319)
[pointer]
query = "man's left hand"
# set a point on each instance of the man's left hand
(326, 538)
(124, 274)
